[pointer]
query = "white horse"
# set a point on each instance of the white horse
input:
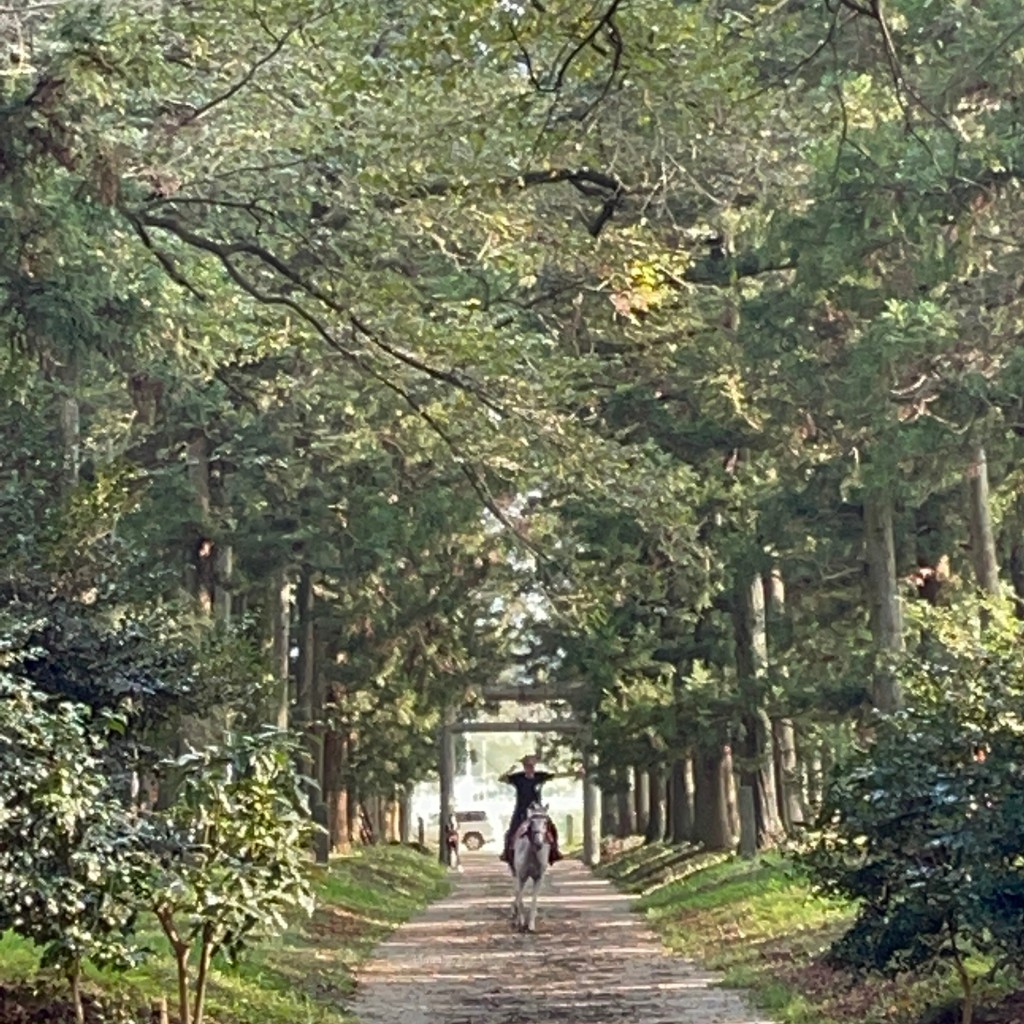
(531, 851)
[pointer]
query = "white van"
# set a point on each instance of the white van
(474, 828)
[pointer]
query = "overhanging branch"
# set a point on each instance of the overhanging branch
(227, 251)
(588, 181)
(227, 254)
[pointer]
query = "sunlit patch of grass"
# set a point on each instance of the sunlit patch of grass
(300, 977)
(19, 959)
(721, 908)
(760, 924)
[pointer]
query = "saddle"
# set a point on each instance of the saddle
(552, 838)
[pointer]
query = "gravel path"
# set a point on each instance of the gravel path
(591, 961)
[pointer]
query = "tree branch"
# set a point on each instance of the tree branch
(226, 253)
(465, 467)
(241, 83)
(527, 59)
(601, 22)
(165, 261)
(587, 180)
(722, 272)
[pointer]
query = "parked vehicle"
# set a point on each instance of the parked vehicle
(475, 828)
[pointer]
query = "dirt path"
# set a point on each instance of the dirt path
(592, 961)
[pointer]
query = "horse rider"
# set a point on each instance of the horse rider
(527, 782)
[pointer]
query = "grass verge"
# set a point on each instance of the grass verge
(300, 977)
(760, 925)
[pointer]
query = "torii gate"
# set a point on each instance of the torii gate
(526, 694)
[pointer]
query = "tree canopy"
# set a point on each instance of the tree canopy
(360, 352)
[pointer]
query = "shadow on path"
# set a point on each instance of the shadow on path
(592, 961)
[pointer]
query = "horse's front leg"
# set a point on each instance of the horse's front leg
(532, 925)
(517, 903)
(543, 858)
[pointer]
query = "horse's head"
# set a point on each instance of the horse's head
(537, 824)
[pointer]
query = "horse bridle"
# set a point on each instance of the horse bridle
(537, 822)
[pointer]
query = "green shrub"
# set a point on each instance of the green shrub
(69, 858)
(232, 855)
(225, 864)
(923, 826)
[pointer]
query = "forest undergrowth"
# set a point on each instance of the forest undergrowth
(302, 976)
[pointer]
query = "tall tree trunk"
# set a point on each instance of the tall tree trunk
(791, 804)
(591, 851)
(681, 801)
(824, 763)
(626, 809)
(305, 666)
(405, 816)
(711, 818)
(609, 825)
(199, 576)
(223, 570)
(336, 790)
(886, 612)
(757, 770)
(755, 748)
(378, 817)
(69, 423)
(305, 677)
(983, 541)
(667, 778)
(731, 792)
(200, 570)
(1014, 545)
(679, 798)
(322, 693)
(810, 758)
(278, 626)
(641, 799)
(655, 830)
(787, 769)
(391, 815)
(146, 394)
(352, 807)
(1017, 576)
(446, 778)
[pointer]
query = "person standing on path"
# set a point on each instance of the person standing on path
(452, 839)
